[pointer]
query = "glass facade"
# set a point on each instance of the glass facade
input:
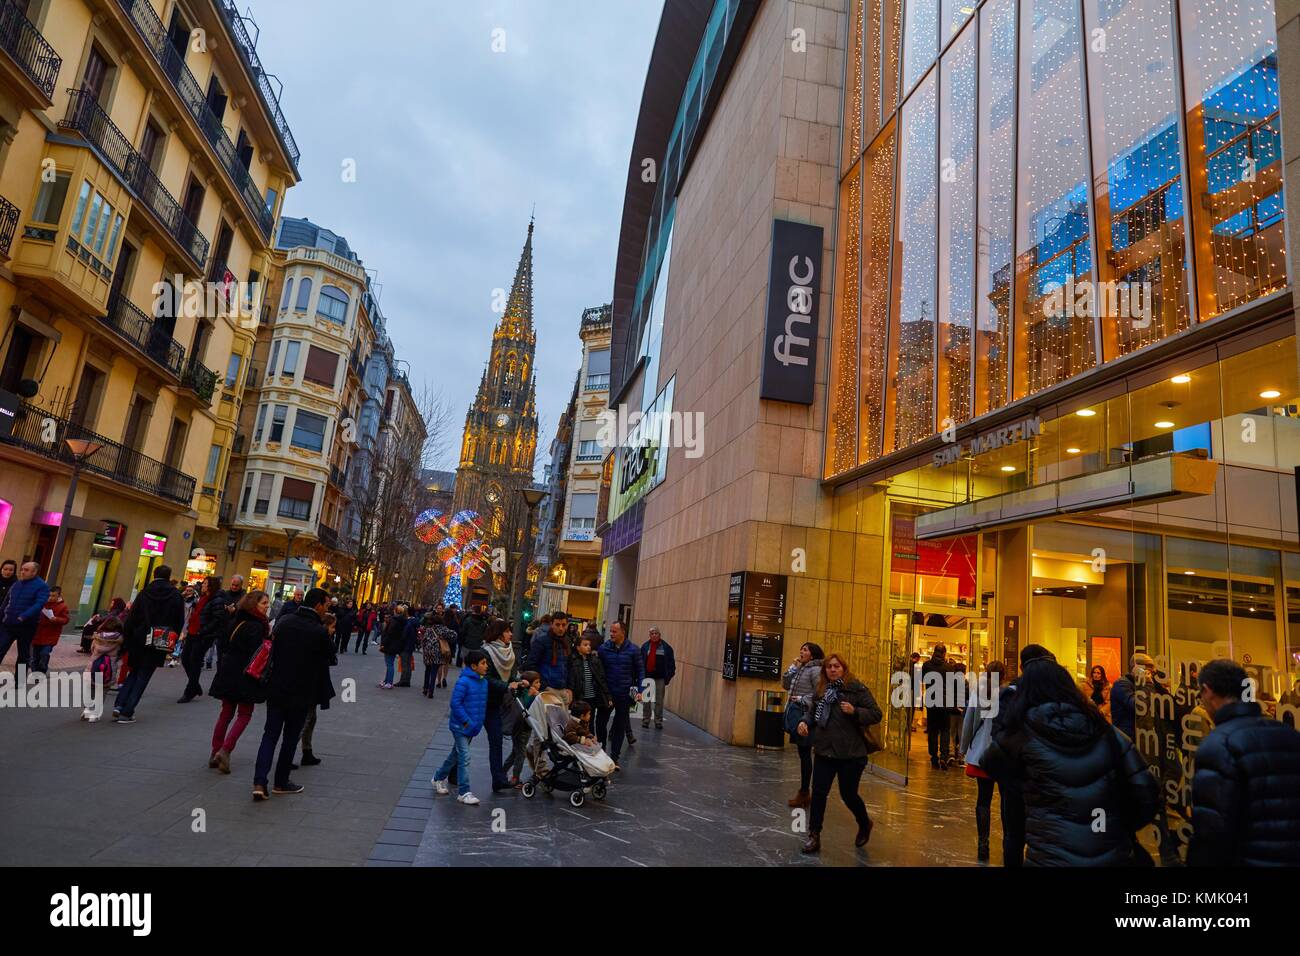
(1076, 180)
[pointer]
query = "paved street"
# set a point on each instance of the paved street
(103, 794)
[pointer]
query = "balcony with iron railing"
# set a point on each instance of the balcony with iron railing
(199, 379)
(150, 28)
(137, 327)
(29, 50)
(327, 536)
(87, 118)
(270, 99)
(126, 466)
(8, 223)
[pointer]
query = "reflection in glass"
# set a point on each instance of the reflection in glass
(1231, 92)
(920, 36)
(997, 183)
(852, 123)
(871, 71)
(877, 233)
(912, 314)
(1142, 295)
(1054, 338)
(842, 437)
(892, 40)
(955, 14)
(956, 228)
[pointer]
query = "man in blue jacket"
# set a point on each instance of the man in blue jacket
(660, 666)
(624, 670)
(22, 612)
(548, 651)
(468, 709)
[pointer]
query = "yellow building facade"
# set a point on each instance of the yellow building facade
(143, 162)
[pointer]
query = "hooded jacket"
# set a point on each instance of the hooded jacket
(1246, 792)
(158, 605)
(468, 703)
(1069, 769)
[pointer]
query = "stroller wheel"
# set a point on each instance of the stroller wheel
(529, 789)
(599, 790)
(577, 798)
(549, 788)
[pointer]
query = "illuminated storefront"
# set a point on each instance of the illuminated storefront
(1063, 404)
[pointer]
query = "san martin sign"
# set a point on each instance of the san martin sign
(790, 337)
(989, 441)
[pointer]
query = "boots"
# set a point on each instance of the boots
(813, 844)
(864, 834)
(309, 759)
(223, 760)
(801, 799)
(982, 826)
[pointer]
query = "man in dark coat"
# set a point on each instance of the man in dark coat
(1246, 790)
(624, 670)
(471, 633)
(300, 679)
(345, 617)
(937, 717)
(159, 605)
(660, 666)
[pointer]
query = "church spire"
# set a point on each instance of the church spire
(517, 323)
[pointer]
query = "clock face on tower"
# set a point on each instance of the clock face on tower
(493, 495)
(503, 420)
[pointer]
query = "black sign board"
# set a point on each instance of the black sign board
(790, 339)
(1011, 644)
(755, 625)
(8, 411)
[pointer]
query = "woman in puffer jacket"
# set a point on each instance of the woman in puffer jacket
(976, 732)
(1087, 790)
(800, 679)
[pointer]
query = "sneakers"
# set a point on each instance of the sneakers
(468, 799)
(116, 713)
(125, 720)
(440, 787)
(259, 792)
(288, 787)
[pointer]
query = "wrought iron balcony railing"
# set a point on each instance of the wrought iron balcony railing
(327, 536)
(248, 52)
(199, 379)
(113, 460)
(29, 49)
(86, 117)
(8, 223)
(136, 326)
(150, 27)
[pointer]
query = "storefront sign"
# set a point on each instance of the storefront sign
(153, 545)
(731, 650)
(755, 625)
(1011, 644)
(790, 340)
(989, 441)
(111, 535)
(8, 412)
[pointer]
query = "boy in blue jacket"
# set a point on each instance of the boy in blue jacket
(468, 709)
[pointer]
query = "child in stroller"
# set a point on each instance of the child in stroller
(580, 768)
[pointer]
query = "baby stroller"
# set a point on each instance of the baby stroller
(557, 765)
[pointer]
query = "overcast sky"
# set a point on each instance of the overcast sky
(453, 143)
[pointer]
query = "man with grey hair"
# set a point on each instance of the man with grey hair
(21, 612)
(660, 666)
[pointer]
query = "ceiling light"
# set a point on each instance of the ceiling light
(1164, 424)
(1181, 379)
(1086, 412)
(1073, 451)
(1008, 467)
(1270, 393)
(1189, 572)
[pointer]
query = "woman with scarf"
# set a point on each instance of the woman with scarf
(840, 710)
(502, 674)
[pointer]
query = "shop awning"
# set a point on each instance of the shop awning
(1159, 479)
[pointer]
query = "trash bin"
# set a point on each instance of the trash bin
(769, 719)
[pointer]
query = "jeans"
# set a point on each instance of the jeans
(457, 762)
(805, 767)
(226, 734)
(825, 770)
(937, 726)
(612, 738)
(41, 658)
(21, 634)
(360, 644)
(430, 678)
(496, 740)
(657, 705)
(132, 689)
(389, 660)
(279, 720)
(192, 660)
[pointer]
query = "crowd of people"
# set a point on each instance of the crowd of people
(1060, 753)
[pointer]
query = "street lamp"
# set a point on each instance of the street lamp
(81, 449)
(532, 498)
(289, 533)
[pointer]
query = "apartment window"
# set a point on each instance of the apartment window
(333, 304)
(248, 491)
(263, 503)
(291, 350)
(214, 462)
(590, 450)
(309, 431)
(275, 354)
(271, 196)
(50, 199)
(232, 370)
(322, 365)
(95, 224)
(598, 369)
(304, 294)
(261, 423)
(287, 295)
(582, 513)
(277, 423)
(296, 497)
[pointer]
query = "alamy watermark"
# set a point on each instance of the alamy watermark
(1087, 300)
(34, 689)
(621, 427)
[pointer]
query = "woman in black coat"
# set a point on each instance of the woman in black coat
(840, 711)
(238, 692)
(392, 643)
(1087, 790)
